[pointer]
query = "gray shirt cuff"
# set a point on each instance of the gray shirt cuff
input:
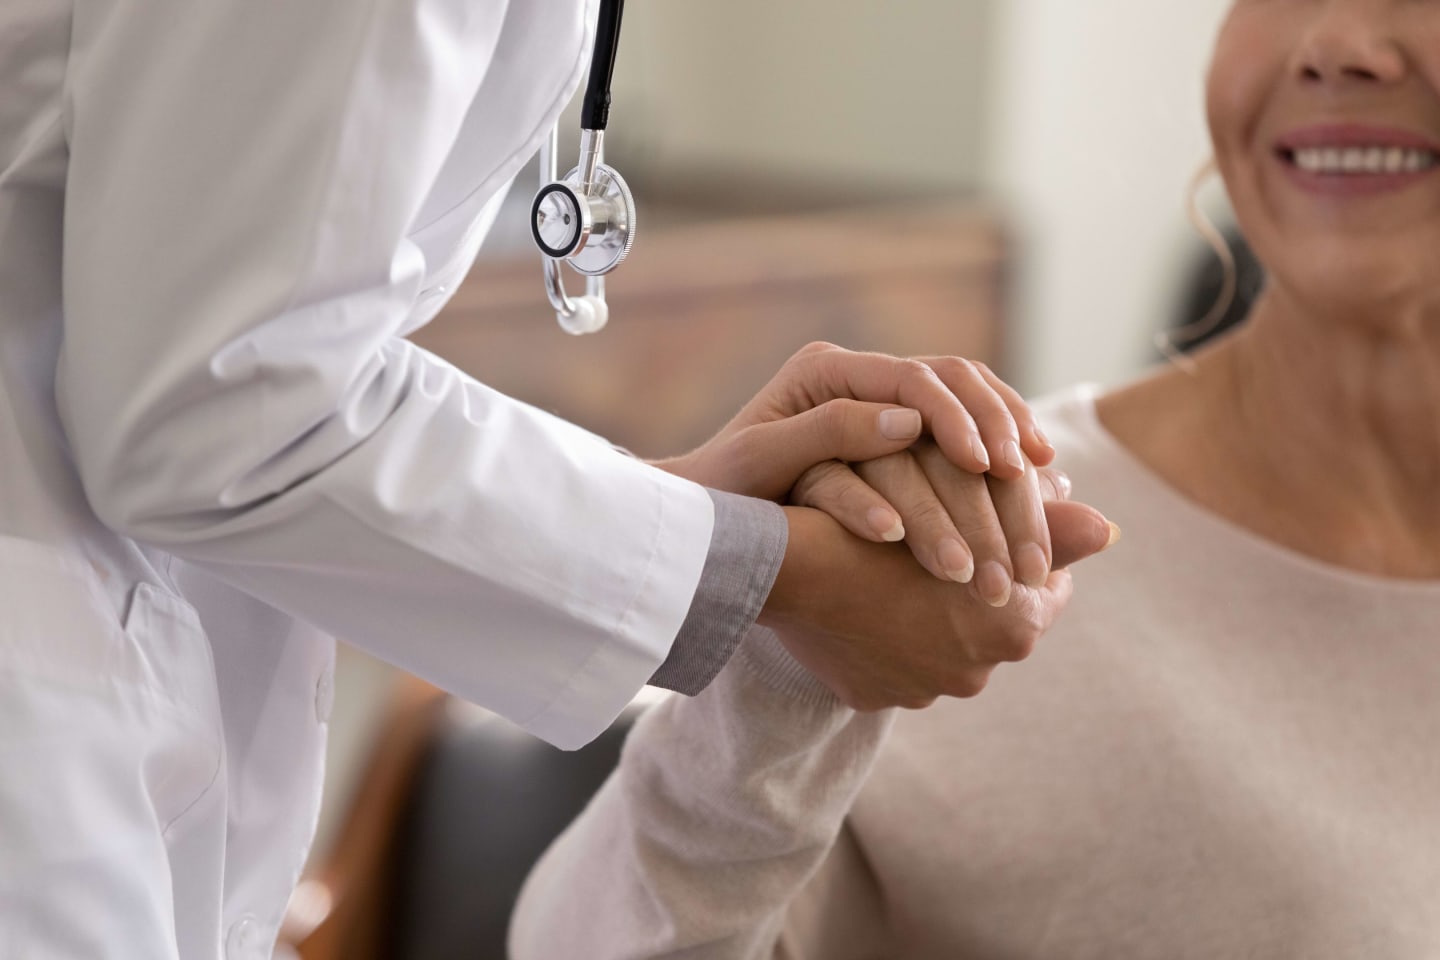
(745, 553)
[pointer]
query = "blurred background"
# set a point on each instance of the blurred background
(999, 179)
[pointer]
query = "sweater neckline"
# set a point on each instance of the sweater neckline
(1227, 530)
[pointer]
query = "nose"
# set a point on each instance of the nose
(1351, 42)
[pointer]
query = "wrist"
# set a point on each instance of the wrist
(784, 604)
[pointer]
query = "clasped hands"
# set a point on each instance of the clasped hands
(868, 450)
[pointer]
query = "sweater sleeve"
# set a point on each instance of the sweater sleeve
(723, 810)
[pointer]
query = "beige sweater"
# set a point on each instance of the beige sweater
(1223, 750)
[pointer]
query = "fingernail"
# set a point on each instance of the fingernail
(993, 584)
(981, 454)
(1114, 536)
(1031, 567)
(900, 424)
(956, 561)
(1062, 481)
(1040, 437)
(886, 523)
(1011, 452)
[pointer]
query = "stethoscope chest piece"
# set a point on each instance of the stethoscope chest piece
(591, 227)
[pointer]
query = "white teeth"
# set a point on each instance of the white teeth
(1364, 160)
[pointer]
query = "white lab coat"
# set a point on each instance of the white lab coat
(217, 221)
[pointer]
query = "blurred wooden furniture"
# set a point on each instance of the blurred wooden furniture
(340, 910)
(703, 315)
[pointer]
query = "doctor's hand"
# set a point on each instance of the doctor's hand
(828, 405)
(881, 632)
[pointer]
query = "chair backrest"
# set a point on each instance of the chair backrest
(455, 807)
(488, 800)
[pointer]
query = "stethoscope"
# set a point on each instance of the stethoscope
(587, 219)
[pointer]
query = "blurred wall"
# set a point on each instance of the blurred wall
(1083, 119)
(1097, 126)
(865, 93)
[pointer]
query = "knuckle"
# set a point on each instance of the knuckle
(814, 348)
(818, 485)
(808, 487)
(947, 367)
(1018, 640)
(982, 368)
(928, 513)
(1019, 648)
(982, 533)
(971, 683)
(915, 370)
(832, 420)
(960, 366)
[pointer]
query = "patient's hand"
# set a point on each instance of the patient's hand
(897, 636)
(880, 632)
(971, 528)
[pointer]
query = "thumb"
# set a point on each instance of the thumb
(1077, 531)
(774, 454)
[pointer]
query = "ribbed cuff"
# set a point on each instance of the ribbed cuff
(766, 658)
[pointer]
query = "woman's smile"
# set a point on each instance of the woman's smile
(1325, 118)
(1356, 159)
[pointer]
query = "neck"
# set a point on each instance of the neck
(1335, 418)
(1354, 401)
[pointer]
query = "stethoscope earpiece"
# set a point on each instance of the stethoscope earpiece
(589, 316)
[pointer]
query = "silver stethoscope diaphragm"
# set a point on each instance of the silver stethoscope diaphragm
(587, 218)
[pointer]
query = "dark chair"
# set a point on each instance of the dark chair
(456, 807)
(489, 800)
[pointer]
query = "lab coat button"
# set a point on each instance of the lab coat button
(324, 696)
(243, 940)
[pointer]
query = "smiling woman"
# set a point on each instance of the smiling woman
(1221, 750)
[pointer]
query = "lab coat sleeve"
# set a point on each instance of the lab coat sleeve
(244, 176)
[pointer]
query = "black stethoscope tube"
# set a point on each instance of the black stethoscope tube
(595, 111)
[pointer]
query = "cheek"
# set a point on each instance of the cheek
(1247, 70)
(1243, 74)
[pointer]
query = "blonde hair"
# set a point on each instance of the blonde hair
(1172, 342)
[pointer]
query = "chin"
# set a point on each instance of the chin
(1356, 278)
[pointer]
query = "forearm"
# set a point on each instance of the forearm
(722, 809)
